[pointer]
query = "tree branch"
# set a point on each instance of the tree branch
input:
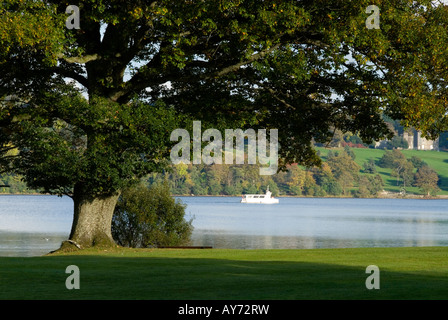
(276, 97)
(140, 81)
(80, 60)
(238, 65)
(71, 74)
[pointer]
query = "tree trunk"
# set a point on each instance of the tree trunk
(92, 221)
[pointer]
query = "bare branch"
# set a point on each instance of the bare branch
(276, 97)
(71, 74)
(81, 60)
(238, 65)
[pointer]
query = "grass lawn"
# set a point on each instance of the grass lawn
(215, 274)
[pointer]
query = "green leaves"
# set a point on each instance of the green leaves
(31, 26)
(150, 217)
(102, 144)
(306, 68)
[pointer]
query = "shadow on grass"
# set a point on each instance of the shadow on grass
(211, 279)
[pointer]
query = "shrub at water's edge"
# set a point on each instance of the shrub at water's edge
(150, 217)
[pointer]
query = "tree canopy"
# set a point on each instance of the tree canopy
(90, 109)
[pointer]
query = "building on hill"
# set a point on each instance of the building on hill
(409, 139)
(417, 142)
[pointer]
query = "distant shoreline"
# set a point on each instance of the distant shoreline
(388, 195)
(383, 196)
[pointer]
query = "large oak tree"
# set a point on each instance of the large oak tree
(90, 110)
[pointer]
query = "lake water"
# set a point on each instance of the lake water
(35, 225)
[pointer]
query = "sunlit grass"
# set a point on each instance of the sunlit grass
(405, 273)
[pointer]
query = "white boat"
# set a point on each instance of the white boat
(259, 198)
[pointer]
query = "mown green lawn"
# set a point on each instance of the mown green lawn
(215, 274)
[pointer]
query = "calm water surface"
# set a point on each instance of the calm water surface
(319, 223)
(35, 225)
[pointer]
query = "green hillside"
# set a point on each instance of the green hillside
(435, 159)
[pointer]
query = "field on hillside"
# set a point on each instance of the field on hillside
(437, 160)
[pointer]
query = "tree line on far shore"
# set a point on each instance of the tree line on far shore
(339, 175)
